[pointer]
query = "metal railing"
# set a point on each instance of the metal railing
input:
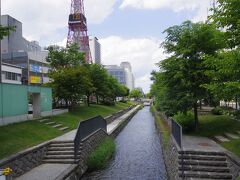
(86, 128)
(177, 132)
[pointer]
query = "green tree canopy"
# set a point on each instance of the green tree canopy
(227, 16)
(5, 31)
(136, 94)
(183, 73)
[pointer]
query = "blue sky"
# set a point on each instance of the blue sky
(129, 30)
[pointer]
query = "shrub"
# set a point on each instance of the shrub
(123, 101)
(217, 111)
(236, 114)
(186, 120)
(98, 158)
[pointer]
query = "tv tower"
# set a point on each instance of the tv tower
(77, 32)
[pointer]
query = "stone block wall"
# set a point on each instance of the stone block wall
(26, 160)
(116, 115)
(89, 144)
(170, 151)
(234, 164)
(170, 154)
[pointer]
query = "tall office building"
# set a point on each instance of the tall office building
(16, 50)
(15, 42)
(128, 75)
(123, 74)
(95, 48)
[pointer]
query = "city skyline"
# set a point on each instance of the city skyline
(117, 24)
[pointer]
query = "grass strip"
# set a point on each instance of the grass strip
(19, 136)
(163, 127)
(101, 155)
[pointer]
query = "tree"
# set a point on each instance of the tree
(70, 78)
(60, 57)
(71, 84)
(183, 73)
(5, 31)
(227, 15)
(136, 94)
(99, 77)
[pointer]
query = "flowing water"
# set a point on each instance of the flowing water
(138, 152)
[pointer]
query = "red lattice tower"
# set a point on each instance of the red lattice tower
(77, 24)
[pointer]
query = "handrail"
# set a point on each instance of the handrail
(86, 128)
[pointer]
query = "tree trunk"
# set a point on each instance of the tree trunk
(88, 101)
(97, 99)
(200, 104)
(196, 116)
(236, 103)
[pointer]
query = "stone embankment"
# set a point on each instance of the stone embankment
(55, 159)
(199, 158)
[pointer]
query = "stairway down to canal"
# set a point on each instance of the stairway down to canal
(138, 152)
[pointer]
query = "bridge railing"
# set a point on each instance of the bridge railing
(86, 128)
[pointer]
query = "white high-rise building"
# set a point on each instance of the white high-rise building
(95, 48)
(128, 75)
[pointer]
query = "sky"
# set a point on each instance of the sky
(128, 30)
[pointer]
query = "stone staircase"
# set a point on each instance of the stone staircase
(61, 152)
(203, 165)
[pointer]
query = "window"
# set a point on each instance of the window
(11, 76)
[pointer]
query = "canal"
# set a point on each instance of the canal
(138, 152)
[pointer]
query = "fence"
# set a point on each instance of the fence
(177, 132)
(86, 128)
(176, 129)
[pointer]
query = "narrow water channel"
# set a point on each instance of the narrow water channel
(138, 152)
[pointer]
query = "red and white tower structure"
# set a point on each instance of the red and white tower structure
(78, 29)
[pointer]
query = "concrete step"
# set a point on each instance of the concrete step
(60, 157)
(231, 136)
(60, 149)
(62, 145)
(203, 163)
(60, 161)
(50, 123)
(205, 169)
(202, 153)
(207, 175)
(202, 157)
(61, 152)
(63, 128)
(57, 126)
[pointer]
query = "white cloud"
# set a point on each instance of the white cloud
(142, 53)
(200, 6)
(46, 18)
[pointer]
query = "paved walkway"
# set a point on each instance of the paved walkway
(200, 144)
(52, 171)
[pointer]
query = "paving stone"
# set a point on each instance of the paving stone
(221, 139)
(57, 126)
(43, 120)
(63, 128)
(232, 136)
(50, 123)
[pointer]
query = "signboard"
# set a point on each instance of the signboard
(35, 68)
(76, 18)
(35, 80)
